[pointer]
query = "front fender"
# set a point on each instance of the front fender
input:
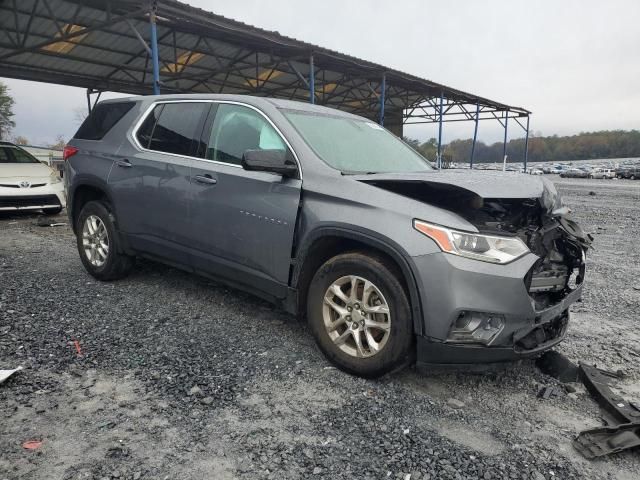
(375, 241)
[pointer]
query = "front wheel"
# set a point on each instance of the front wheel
(360, 316)
(97, 242)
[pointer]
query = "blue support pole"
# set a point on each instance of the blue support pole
(312, 81)
(383, 95)
(526, 146)
(504, 145)
(475, 135)
(439, 159)
(154, 52)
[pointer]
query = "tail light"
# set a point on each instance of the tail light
(68, 152)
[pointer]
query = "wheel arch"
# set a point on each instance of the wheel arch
(85, 191)
(326, 242)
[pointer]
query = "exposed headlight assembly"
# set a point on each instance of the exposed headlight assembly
(486, 248)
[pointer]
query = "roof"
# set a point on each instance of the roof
(98, 45)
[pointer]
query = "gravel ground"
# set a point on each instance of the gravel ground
(182, 378)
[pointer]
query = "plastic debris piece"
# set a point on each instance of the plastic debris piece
(4, 374)
(76, 344)
(32, 444)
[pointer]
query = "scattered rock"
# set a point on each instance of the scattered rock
(455, 403)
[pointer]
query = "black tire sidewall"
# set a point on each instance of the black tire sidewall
(101, 210)
(397, 351)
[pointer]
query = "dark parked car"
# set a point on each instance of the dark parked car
(332, 217)
(632, 173)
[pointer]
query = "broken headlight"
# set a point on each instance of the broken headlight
(486, 248)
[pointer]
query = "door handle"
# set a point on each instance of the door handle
(206, 179)
(124, 163)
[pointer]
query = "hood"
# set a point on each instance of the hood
(16, 172)
(466, 188)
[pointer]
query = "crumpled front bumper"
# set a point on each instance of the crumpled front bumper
(450, 285)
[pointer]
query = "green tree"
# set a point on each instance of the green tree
(6, 112)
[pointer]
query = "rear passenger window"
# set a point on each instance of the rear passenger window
(173, 127)
(102, 119)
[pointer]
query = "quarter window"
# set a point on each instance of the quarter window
(237, 129)
(102, 119)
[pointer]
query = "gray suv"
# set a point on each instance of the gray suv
(335, 219)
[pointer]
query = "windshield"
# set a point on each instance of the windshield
(355, 146)
(11, 154)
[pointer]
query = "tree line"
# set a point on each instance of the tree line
(586, 145)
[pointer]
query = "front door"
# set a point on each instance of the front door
(242, 222)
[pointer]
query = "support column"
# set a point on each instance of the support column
(312, 80)
(383, 94)
(154, 50)
(504, 145)
(475, 135)
(89, 100)
(526, 145)
(440, 120)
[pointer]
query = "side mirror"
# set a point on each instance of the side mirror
(274, 161)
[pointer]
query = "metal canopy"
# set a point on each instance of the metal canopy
(114, 45)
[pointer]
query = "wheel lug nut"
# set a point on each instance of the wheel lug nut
(349, 308)
(357, 305)
(348, 318)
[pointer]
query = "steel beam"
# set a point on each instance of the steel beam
(440, 119)
(504, 144)
(475, 135)
(154, 50)
(526, 145)
(312, 81)
(383, 95)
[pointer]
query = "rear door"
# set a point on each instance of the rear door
(242, 222)
(150, 179)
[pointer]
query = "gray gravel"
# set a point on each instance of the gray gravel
(179, 377)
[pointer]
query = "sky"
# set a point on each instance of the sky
(574, 63)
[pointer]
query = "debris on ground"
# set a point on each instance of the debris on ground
(547, 391)
(44, 221)
(5, 374)
(32, 444)
(622, 431)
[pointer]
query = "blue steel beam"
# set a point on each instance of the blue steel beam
(383, 95)
(312, 81)
(154, 52)
(475, 135)
(440, 111)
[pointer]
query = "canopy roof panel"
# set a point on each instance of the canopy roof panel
(103, 45)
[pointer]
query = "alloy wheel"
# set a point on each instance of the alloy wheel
(95, 240)
(356, 316)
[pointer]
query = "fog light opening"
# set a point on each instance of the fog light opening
(476, 327)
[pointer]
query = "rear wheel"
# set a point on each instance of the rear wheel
(360, 316)
(97, 242)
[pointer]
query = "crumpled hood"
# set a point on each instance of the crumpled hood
(17, 172)
(484, 184)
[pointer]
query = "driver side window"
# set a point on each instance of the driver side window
(237, 129)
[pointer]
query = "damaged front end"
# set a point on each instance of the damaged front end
(515, 309)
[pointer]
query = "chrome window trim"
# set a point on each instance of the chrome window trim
(133, 134)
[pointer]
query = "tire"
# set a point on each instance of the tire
(396, 345)
(114, 264)
(52, 211)
(632, 177)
